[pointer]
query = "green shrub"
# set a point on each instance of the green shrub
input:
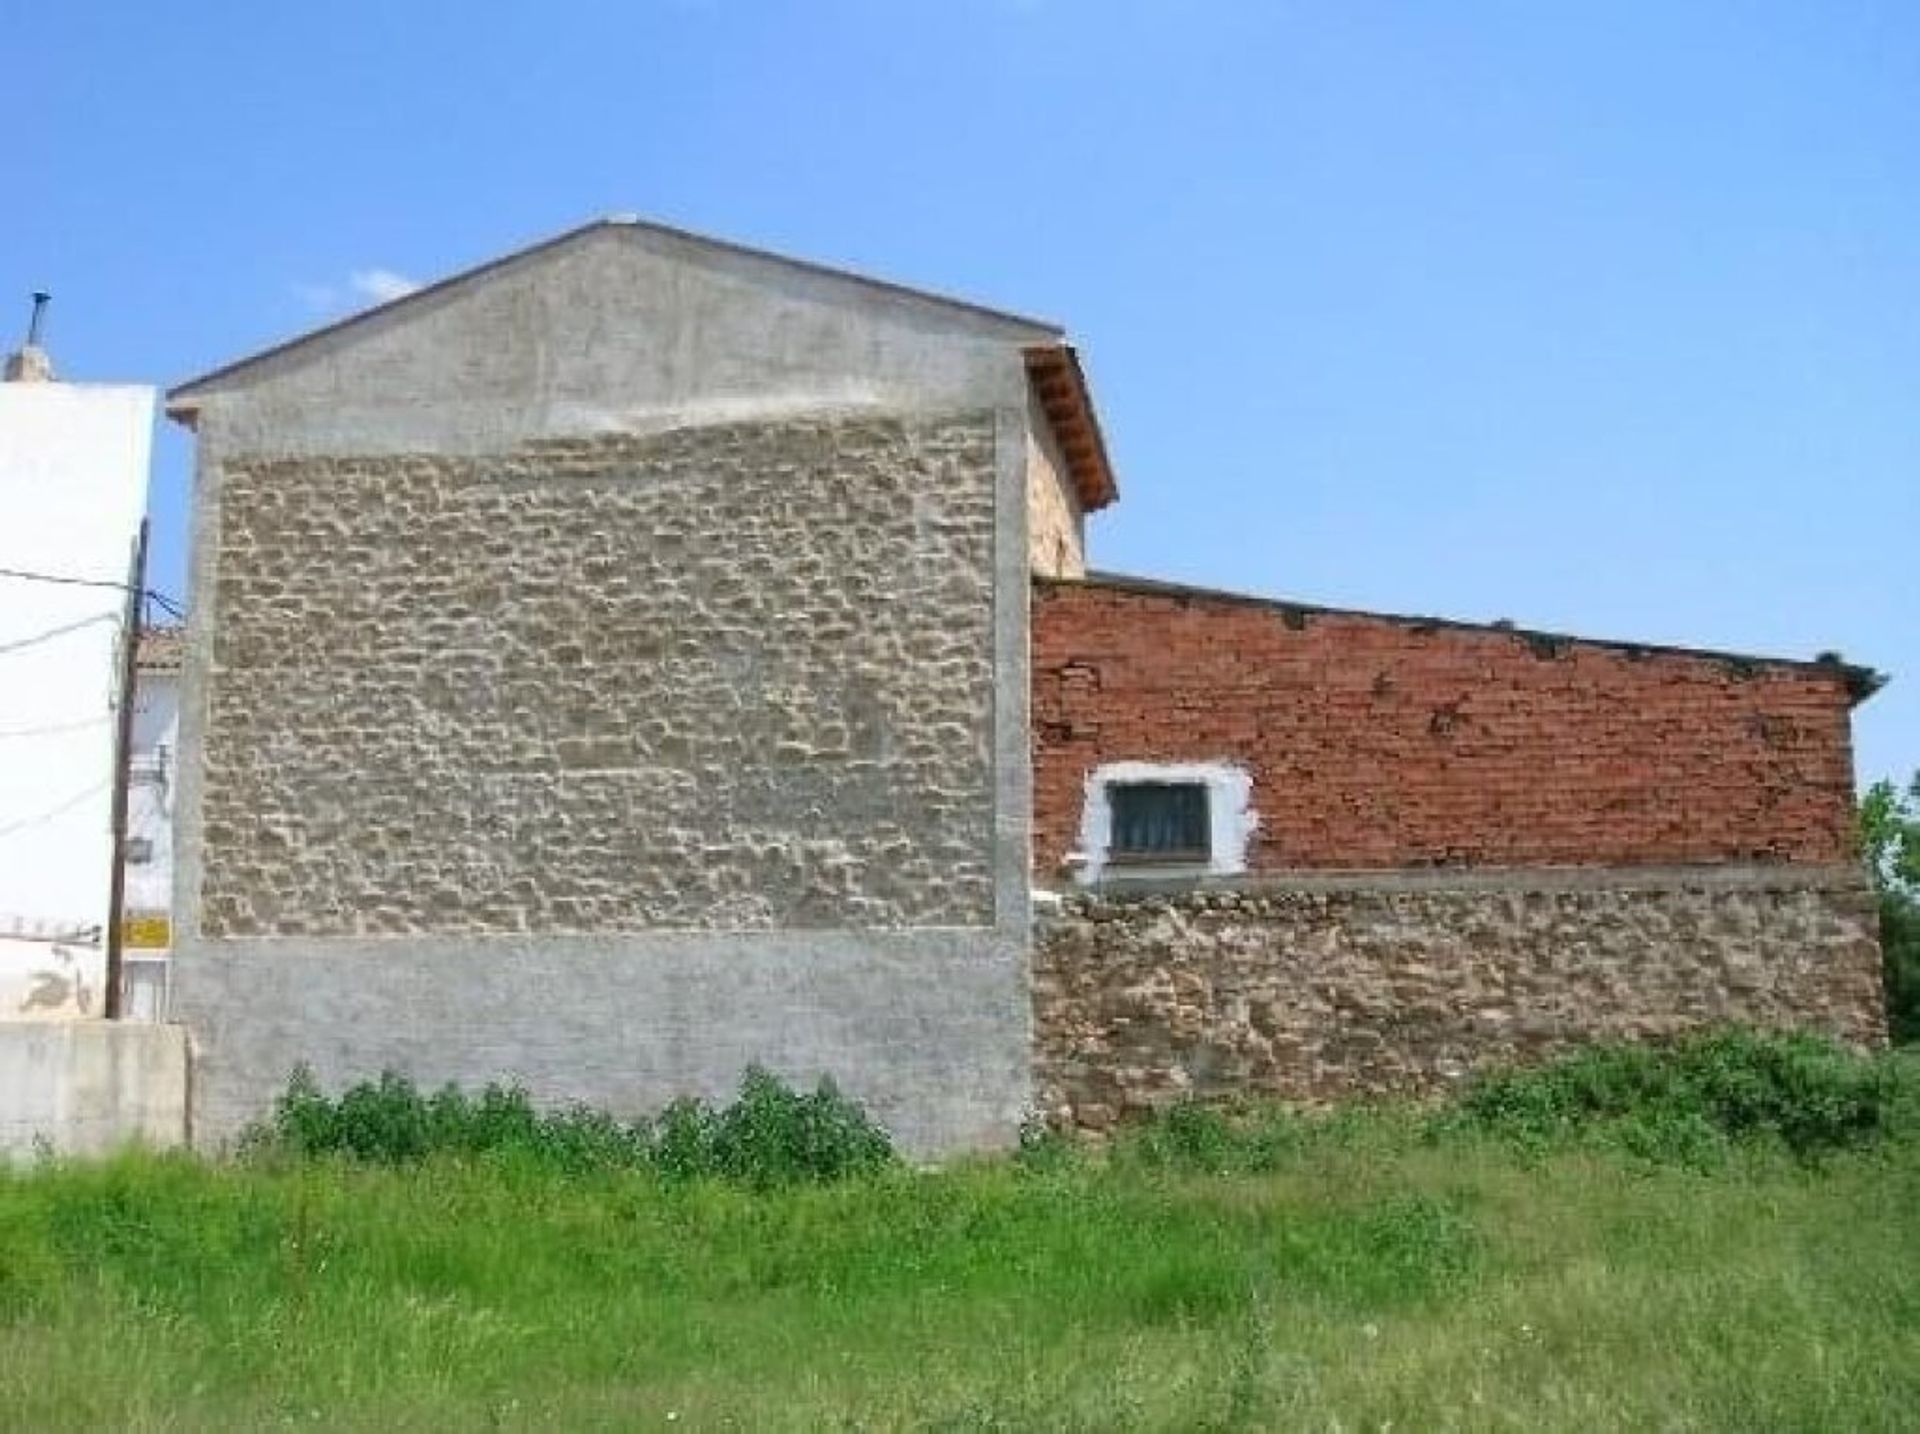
(682, 1141)
(771, 1135)
(389, 1121)
(1692, 1099)
(1187, 1135)
(1231, 1138)
(774, 1135)
(1900, 945)
(1889, 836)
(1045, 1149)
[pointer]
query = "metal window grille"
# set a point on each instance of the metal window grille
(1159, 821)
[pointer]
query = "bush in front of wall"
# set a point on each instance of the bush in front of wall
(1689, 1100)
(770, 1135)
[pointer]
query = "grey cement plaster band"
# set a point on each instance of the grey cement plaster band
(928, 1028)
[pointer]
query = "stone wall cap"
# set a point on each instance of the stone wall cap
(1705, 876)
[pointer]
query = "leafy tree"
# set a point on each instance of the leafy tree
(1890, 842)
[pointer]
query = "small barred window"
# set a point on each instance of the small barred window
(1159, 822)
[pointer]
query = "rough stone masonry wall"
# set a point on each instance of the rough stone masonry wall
(1310, 994)
(728, 677)
(1056, 528)
(1386, 743)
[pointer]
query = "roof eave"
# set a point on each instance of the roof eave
(1067, 400)
(1860, 682)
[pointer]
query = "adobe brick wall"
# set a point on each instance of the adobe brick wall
(1384, 743)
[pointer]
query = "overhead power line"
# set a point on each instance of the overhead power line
(42, 818)
(160, 599)
(20, 643)
(52, 728)
(29, 576)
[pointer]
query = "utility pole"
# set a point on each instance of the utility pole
(123, 768)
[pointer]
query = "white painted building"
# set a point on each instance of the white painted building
(73, 486)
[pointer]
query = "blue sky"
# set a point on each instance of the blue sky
(1599, 317)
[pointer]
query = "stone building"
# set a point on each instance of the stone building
(608, 668)
(642, 656)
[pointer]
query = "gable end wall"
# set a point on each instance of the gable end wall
(606, 676)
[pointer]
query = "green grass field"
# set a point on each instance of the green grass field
(1363, 1274)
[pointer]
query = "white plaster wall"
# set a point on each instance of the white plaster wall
(73, 484)
(1230, 816)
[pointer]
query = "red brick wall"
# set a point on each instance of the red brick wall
(1379, 742)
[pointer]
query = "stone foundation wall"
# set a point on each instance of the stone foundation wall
(1315, 990)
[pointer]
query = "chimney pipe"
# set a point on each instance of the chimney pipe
(30, 363)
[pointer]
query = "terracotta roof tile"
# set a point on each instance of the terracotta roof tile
(161, 649)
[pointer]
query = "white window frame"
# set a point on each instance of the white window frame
(1230, 816)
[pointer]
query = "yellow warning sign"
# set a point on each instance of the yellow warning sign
(151, 932)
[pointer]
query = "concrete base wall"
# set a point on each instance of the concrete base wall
(928, 1028)
(1313, 990)
(90, 1087)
